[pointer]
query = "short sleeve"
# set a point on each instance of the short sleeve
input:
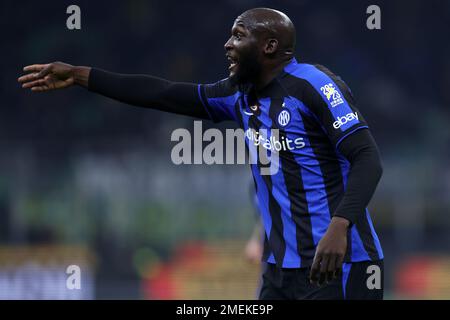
(332, 104)
(220, 100)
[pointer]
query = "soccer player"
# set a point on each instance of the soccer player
(320, 241)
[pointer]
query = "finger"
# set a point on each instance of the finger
(331, 268)
(35, 83)
(315, 269)
(338, 266)
(35, 67)
(323, 269)
(28, 77)
(40, 88)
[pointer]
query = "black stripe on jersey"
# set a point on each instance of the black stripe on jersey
(297, 196)
(276, 239)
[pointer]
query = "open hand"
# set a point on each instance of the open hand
(44, 77)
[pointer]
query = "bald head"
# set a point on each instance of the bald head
(270, 23)
(262, 42)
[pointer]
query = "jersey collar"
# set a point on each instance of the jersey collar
(289, 68)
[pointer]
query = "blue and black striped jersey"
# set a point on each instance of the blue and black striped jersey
(301, 116)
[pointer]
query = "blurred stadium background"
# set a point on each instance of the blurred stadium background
(88, 181)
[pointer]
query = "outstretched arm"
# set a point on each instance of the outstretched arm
(138, 90)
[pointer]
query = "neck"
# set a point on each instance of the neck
(269, 73)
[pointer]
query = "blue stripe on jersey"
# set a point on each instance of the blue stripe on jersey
(313, 182)
(222, 107)
(318, 79)
(358, 253)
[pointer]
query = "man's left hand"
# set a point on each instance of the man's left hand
(330, 252)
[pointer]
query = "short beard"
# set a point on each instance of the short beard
(249, 69)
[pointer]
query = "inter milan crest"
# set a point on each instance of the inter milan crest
(284, 117)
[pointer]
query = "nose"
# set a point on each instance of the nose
(228, 46)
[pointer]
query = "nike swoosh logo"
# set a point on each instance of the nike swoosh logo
(248, 113)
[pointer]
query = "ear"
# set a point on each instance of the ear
(271, 46)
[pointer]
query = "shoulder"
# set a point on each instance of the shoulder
(317, 80)
(305, 74)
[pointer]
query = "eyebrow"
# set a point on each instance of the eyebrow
(239, 28)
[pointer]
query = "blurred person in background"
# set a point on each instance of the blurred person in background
(255, 245)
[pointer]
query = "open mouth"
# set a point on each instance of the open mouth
(233, 62)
